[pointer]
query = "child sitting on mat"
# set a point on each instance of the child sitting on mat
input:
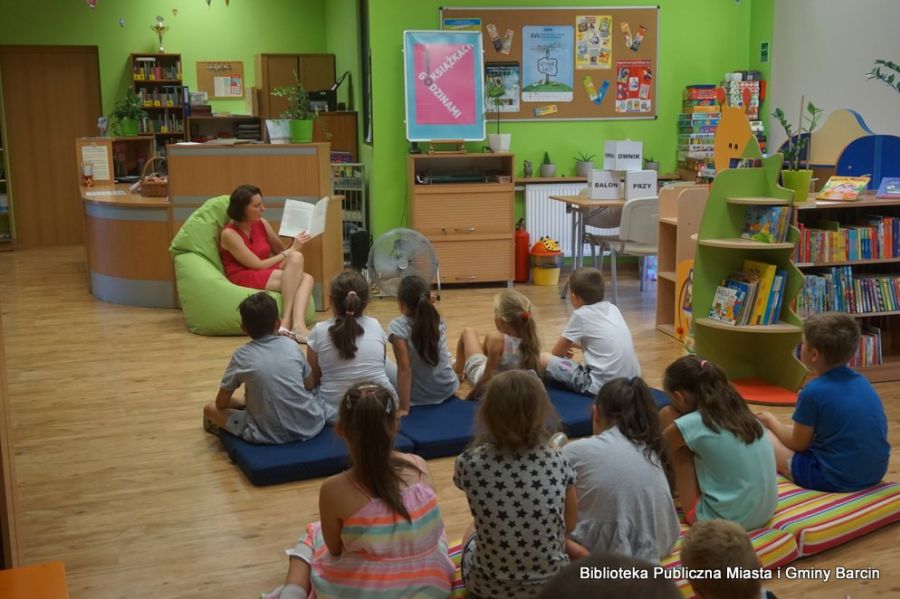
(597, 327)
(624, 502)
(723, 460)
(838, 442)
(520, 491)
(276, 407)
(716, 546)
(348, 347)
(513, 345)
(381, 534)
(419, 338)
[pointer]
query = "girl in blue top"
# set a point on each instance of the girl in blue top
(723, 459)
(419, 338)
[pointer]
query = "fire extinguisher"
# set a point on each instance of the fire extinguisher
(522, 244)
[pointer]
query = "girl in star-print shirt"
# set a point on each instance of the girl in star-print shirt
(520, 490)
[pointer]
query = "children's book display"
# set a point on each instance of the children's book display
(843, 188)
(875, 237)
(889, 188)
(768, 224)
(753, 338)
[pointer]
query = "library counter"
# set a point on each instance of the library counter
(127, 244)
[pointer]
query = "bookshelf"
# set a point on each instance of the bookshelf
(848, 253)
(205, 128)
(157, 80)
(764, 352)
(6, 227)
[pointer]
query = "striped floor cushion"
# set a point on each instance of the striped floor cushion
(774, 547)
(820, 521)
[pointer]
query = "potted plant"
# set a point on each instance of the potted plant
(892, 80)
(298, 111)
(548, 169)
(584, 164)
(651, 165)
(793, 177)
(497, 142)
(127, 114)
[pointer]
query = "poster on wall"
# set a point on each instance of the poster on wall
(634, 85)
(548, 69)
(593, 43)
(444, 78)
(501, 87)
(461, 25)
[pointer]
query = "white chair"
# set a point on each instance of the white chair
(637, 237)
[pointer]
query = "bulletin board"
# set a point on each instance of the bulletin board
(585, 63)
(221, 79)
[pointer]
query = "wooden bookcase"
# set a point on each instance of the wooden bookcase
(316, 72)
(763, 352)
(680, 211)
(810, 213)
(157, 78)
(470, 224)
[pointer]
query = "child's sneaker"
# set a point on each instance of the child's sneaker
(212, 428)
(558, 440)
(276, 594)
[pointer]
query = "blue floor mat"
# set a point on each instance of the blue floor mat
(442, 429)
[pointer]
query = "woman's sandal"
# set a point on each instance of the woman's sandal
(286, 332)
(300, 338)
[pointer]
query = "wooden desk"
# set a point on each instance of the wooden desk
(47, 581)
(127, 245)
(580, 206)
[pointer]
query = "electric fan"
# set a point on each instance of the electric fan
(401, 253)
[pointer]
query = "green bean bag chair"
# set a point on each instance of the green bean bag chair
(209, 300)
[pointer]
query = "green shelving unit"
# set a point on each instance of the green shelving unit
(763, 352)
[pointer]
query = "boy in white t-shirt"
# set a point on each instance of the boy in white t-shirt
(597, 327)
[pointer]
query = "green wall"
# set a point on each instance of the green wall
(762, 29)
(699, 41)
(198, 32)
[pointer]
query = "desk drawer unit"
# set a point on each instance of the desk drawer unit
(463, 213)
(472, 261)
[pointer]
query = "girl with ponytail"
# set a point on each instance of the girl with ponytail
(419, 338)
(722, 457)
(624, 502)
(348, 347)
(514, 345)
(381, 534)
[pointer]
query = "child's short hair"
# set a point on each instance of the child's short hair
(718, 545)
(259, 314)
(835, 335)
(516, 412)
(588, 284)
(587, 577)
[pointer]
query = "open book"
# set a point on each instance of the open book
(303, 216)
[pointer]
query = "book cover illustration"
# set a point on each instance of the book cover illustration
(889, 188)
(767, 224)
(726, 306)
(843, 188)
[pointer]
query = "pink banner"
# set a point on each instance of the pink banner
(444, 91)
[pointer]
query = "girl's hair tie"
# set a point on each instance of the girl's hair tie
(368, 390)
(526, 315)
(702, 363)
(349, 313)
(632, 380)
(349, 293)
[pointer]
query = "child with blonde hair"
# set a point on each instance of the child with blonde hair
(520, 491)
(381, 534)
(717, 545)
(513, 345)
(723, 459)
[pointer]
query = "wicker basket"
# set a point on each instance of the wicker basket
(153, 189)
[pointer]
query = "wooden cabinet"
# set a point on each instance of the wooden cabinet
(680, 211)
(316, 72)
(464, 205)
(157, 79)
(339, 129)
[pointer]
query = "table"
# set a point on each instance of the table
(580, 206)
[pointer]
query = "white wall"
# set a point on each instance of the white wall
(823, 50)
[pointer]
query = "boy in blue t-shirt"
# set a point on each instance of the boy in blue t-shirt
(839, 439)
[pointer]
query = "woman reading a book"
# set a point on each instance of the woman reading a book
(254, 256)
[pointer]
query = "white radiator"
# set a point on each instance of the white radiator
(546, 217)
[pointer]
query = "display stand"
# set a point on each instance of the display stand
(763, 352)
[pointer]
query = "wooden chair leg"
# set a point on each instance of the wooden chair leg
(642, 269)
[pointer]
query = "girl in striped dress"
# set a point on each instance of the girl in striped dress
(381, 533)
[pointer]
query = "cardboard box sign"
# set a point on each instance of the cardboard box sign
(605, 185)
(623, 155)
(640, 184)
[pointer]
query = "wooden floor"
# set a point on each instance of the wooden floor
(118, 480)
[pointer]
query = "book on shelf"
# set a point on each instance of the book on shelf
(767, 224)
(889, 188)
(843, 188)
(876, 237)
(727, 304)
(765, 274)
(838, 289)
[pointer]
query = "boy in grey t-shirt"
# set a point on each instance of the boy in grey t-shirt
(276, 407)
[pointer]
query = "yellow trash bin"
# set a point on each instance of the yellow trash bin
(546, 259)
